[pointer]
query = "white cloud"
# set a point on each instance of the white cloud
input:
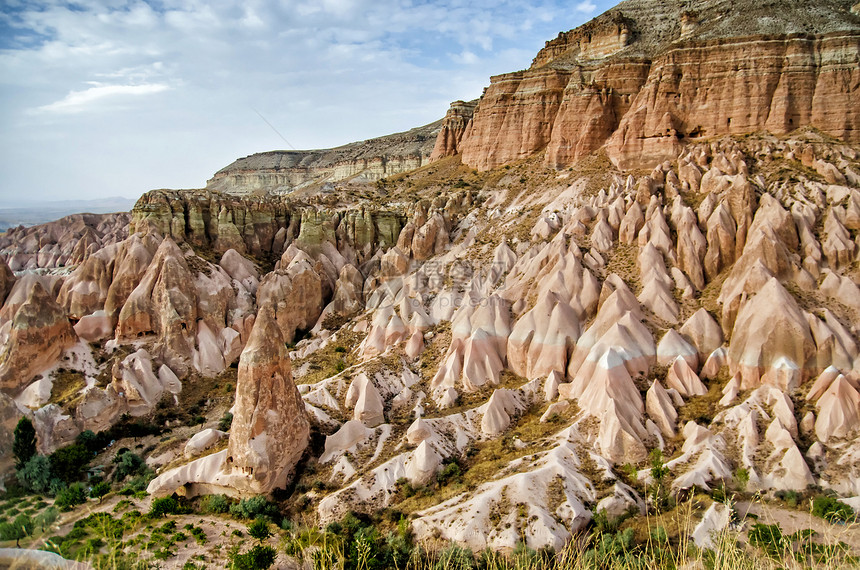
(466, 57)
(586, 7)
(324, 72)
(77, 101)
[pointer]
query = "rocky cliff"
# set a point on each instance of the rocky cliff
(552, 333)
(707, 309)
(648, 77)
(282, 172)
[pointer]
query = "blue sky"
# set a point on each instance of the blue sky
(116, 97)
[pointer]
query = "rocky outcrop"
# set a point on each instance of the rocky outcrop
(7, 280)
(270, 430)
(645, 78)
(165, 305)
(281, 172)
(34, 339)
(454, 124)
(296, 296)
(67, 241)
(686, 308)
(264, 226)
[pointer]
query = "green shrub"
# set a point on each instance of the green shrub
(136, 486)
(254, 507)
(603, 523)
(215, 504)
(24, 442)
(127, 464)
(199, 534)
(35, 474)
(742, 478)
(768, 537)
(163, 554)
(21, 527)
(46, 518)
(99, 490)
(259, 529)
(225, 422)
(450, 473)
(70, 496)
(68, 463)
(259, 557)
(165, 506)
(832, 510)
(455, 557)
(94, 442)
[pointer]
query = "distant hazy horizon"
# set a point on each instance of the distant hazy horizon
(103, 99)
(31, 212)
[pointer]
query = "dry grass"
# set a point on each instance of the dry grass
(66, 389)
(336, 356)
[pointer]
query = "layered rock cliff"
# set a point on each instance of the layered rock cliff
(543, 330)
(648, 77)
(282, 172)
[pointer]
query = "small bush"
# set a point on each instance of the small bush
(127, 464)
(742, 478)
(257, 558)
(35, 474)
(165, 506)
(225, 422)
(768, 537)
(99, 490)
(71, 496)
(163, 554)
(136, 486)
(199, 534)
(21, 527)
(831, 510)
(253, 507)
(215, 504)
(450, 473)
(259, 529)
(46, 518)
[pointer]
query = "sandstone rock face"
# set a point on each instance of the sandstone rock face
(67, 241)
(624, 80)
(202, 441)
(10, 414)
(454, 124)
(39, 333)
(426, 322)
(296, 295)
(264, 225)
(280, 172)
(270, 429)
(7, 280)
(163, 304)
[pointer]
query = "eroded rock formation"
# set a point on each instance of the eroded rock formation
(646, 77)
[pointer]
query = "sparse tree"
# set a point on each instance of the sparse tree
(24, 444)
(99, 490)
(35, 475)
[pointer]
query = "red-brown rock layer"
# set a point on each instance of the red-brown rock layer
(646, 77)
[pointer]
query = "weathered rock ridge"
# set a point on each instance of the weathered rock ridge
(284, 171)
(647, 77)
(67, 241)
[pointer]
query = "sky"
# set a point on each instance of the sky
(104, 98)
